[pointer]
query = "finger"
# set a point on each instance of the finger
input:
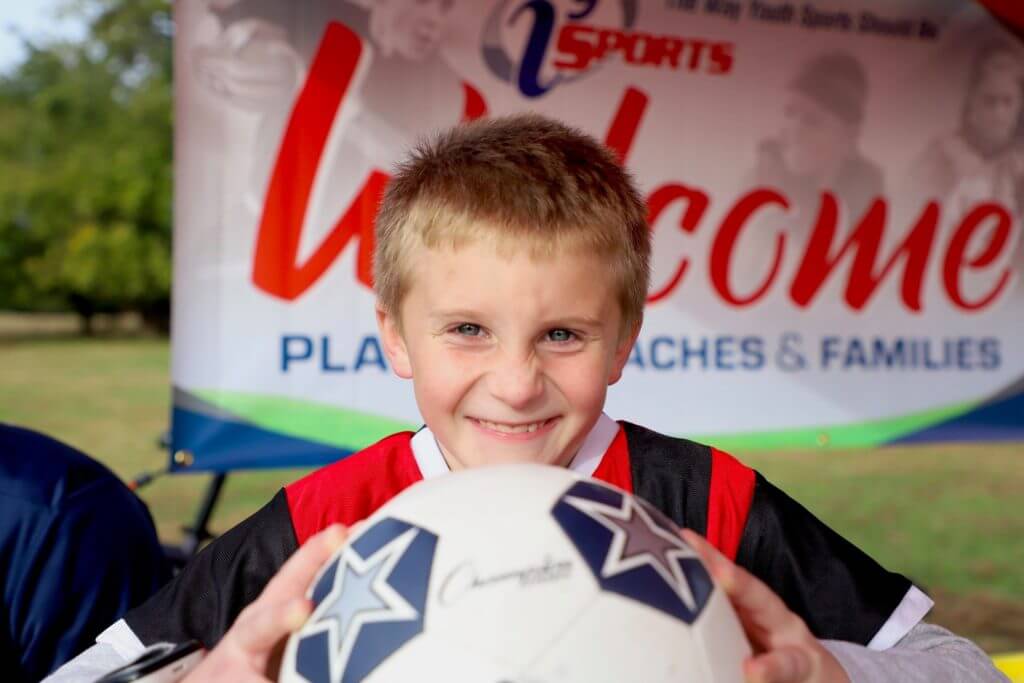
(240, 677)
(222, 666)
(225, 672)
(784, 665)
(268, 624)
(297, 573)
(761, 611)
(723, 570)
(717, 562)
(749, 594)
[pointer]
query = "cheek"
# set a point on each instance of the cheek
(442, 379)
(583, 383)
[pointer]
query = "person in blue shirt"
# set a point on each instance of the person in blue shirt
(77, 550)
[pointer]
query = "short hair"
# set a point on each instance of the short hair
(995, 57)
(836, 81)
(522, 181)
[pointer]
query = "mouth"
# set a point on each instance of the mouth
(514, 430)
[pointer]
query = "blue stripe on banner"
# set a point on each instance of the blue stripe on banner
(218, 444)
(998, 420)
(222, 445)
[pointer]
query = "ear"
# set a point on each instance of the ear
(622, 352)
(394, 343)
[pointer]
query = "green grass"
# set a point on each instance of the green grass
(111, 399)
(949, 516)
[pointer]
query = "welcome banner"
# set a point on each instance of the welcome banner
(835, 191)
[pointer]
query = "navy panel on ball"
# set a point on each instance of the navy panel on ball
(633, 550)
(369, 603)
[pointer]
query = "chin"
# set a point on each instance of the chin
(513, 456)
(516, 456)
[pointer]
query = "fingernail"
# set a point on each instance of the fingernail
(336, 535)
(724, 579)
(296, 614)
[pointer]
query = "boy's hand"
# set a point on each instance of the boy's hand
(785, 650)
(251, 649)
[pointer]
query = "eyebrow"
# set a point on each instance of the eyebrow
(469, 314)
(456, 313)
(573, 321)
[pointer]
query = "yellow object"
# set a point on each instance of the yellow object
(184, 458)
(1012, 666)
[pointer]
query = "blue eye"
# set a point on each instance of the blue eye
(468, 330)
(561, 335)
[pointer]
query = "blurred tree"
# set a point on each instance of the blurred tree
(85, 166)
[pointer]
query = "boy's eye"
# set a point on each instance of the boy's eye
(560, 335)
(468, 330)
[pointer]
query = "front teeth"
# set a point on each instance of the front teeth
(511, 429)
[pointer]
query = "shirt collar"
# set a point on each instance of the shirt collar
(432, 463)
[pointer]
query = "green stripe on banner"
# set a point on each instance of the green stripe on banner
(347, 429)
(351, 430)
(861, 435)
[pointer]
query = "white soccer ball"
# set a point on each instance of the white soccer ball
(516, 574)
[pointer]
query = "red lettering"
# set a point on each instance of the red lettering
(696, 205)
(865, 241)
(275, 268)
(725, 242)
(572, 43)
(475, 107)
(277, 271)
(673, 51)
(277, 244)
(626, 122)
(957, 260)
(696, 50)
(990, 225)
(579, 45)
(622, 43)
(721, 58)
(632, 46)
(653, 52)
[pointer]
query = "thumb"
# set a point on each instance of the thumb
(268, 626)
(782, 665)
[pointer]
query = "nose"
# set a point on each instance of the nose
(516, 380)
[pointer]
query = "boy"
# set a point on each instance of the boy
(511, 271)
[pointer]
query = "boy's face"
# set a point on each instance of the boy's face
(510, 357)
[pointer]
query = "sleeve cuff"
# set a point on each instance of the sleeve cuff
(911, 610)
(120, 636)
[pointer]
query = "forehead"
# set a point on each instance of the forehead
(484, 275)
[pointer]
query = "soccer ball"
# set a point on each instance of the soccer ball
(516, 574)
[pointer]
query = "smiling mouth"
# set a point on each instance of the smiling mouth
(513, 428)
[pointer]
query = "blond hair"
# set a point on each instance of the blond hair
(521, 181)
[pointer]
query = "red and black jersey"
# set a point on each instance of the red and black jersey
(840, 592)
